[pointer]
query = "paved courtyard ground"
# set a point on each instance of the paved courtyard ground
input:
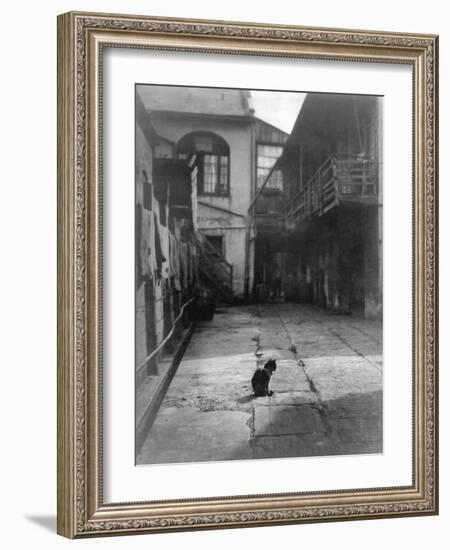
(327, 388)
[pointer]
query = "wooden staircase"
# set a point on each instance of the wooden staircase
(216, 272)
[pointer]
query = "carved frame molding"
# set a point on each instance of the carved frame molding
(81, 37)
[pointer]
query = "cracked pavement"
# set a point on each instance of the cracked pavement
(327, 388)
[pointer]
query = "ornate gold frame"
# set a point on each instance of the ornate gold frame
(81, 37)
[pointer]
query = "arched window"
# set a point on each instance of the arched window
(213, 161)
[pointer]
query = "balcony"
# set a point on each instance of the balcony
(339, 180)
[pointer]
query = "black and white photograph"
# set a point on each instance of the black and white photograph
(223, 265)
(258, 274)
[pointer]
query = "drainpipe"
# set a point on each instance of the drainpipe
(247, 258)
(358, 126)
(249, 217)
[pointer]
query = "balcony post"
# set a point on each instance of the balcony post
(335, 179)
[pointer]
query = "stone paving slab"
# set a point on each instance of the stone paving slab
(360, 448)
(288, 377)
(293, 446)
(356, 431)
(287, 419)
(297, 397)
(187, 436)
(334, 377)
(365, 404)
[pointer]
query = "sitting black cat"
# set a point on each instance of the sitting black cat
(261, 379)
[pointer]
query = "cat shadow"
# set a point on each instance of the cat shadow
(246, 398)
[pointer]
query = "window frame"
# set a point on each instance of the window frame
(268, 144)
(201, 154)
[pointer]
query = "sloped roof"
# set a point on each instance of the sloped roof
(322, 116)
(185, 99)
(269, 133)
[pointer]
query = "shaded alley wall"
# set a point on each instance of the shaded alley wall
(166, 253)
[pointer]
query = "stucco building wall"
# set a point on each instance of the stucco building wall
(212, 221)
